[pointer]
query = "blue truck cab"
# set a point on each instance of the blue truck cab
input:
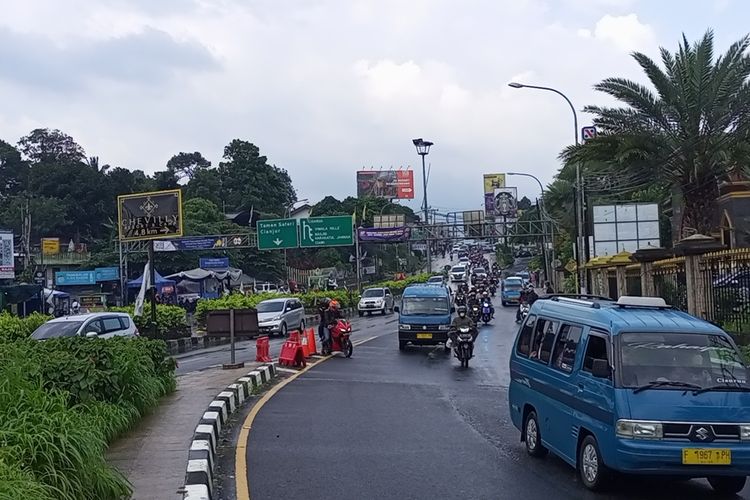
(511, 290)
(424, 316)
(631, 386)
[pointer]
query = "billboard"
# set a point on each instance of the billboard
(150, 216)
(7, 267)
(493, 182)
(384, 234)
(391, 184)
(627, 226)
(50, 246)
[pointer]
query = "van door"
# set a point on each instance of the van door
(542, 379)
(596, 404)
(563, 380)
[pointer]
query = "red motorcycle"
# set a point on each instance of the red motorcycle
(339, 340)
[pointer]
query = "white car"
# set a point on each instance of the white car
(101, 325)
(458, 273)
(375, 300)
(280, 315)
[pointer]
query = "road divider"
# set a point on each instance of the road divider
(308, 342)
(202, 455)
(291, 351)
(262, 349)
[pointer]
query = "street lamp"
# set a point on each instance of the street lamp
(423, 149)
(543, 214)
(581, 239)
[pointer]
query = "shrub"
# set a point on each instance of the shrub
(15, 328)
(239, 301)
(171, 322)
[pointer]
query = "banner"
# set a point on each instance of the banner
(493, 182)
(213, 262)
(50, 246)
(66, 278)
(7, 266)
(384, 234)
(391, 184)
(198, 243)
(145, 285)
(107, 273)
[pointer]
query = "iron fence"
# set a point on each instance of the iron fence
(633, 280)
(725, 277)
(670, 282)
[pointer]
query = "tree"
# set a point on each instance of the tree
(688, 132)
(43, 145)
(13, 171)
(185, 165)
(524, 203)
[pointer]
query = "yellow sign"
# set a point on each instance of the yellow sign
(493, 181)
(50, 246)
(571, 266)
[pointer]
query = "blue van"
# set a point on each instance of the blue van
(511, 290)
(425, 315)
(631, 386)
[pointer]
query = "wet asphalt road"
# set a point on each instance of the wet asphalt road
(413, 425)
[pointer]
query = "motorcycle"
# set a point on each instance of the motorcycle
(493, 290)
(486, 312)
(524, 308)
(339, 340)
(460, 299)
(464, 346)
(474, 313)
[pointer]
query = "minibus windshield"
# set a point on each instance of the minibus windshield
(703, 360)
(436, 306)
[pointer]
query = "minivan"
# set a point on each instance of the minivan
(632, 386)
(424, 316)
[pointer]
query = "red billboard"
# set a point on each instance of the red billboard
(391, 184)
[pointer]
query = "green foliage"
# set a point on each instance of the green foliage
(62, 401)
(397, 287)
(171, 322)
(504, 256)
(239, 301)
(14, 328)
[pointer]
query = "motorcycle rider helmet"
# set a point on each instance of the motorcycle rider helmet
(325, 302)
(334, 304)
(485, 295)
(462, 311)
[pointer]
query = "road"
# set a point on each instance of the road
(386, 424)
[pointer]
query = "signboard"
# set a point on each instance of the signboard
(150, 216)
(63, 278)
(326, 231)
(389, 220)
(107, 273)
(391, 184)
(202, 243)
(277, 234)
(384, 234)
(7, 266)
(473, 223)
(628, 227)
(50, 246)
(493, 182)
(506, 202)
(214, 262)
(588, 133)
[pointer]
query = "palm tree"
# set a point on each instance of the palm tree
(686, 134)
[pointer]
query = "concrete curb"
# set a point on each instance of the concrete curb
(201, 465)
(186, 344)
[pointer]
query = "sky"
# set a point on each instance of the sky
(327, 87)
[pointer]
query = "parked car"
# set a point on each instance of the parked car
(375, 299)
(101, 325)
(278, 316)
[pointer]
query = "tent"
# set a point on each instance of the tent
(160, 282)
(209, 283)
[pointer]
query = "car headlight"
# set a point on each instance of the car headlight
(639, 429)
(444, 327)
(404, 327)
(745, 432)
(275, 318)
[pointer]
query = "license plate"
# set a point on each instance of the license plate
(706, 456)
(424, 335)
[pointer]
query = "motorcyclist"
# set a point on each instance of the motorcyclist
(323, 313)
(486, 298)
(462, 320)
(332, 315)
(528, 296)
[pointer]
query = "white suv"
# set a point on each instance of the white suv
(458, 273)
(101, 325)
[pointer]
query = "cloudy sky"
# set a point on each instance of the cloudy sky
(325, 87)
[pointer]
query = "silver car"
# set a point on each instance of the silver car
(102, 325)
(278, 316)
(375, 300)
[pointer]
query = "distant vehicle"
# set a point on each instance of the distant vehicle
(479, 272)
(424, 316)
(511, 290)
(458, 273)
(101, 325)
(436, 280)
(463, 260)
(265, 288)
(375, 300)
(278, 316)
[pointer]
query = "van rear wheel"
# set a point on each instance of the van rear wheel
(533, 436)
(727, 485)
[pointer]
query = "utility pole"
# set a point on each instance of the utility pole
(423, 149)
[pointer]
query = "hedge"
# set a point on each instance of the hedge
(62, 401)
(171, 322)
(15, 328)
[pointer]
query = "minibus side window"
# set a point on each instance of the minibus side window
(524, 339)
(564, 356)
(596, 348)
(544, 339)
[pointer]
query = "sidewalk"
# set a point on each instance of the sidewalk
(154, 455)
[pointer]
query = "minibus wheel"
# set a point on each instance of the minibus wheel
(727, 485)
(533, 436)
(594, 474)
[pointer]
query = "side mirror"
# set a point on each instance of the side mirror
(600, 368)
(91, 335)
(396, 309)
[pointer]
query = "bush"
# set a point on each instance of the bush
(309, 300)
(397, 287)
(62, 401)
(171, 321)
(14, 328)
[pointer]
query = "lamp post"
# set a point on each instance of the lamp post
(581, 238)
(543, 214)
(423, 149)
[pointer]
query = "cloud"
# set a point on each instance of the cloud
(626, 33)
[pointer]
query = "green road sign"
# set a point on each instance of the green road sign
(326, 231)
(277, 234)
